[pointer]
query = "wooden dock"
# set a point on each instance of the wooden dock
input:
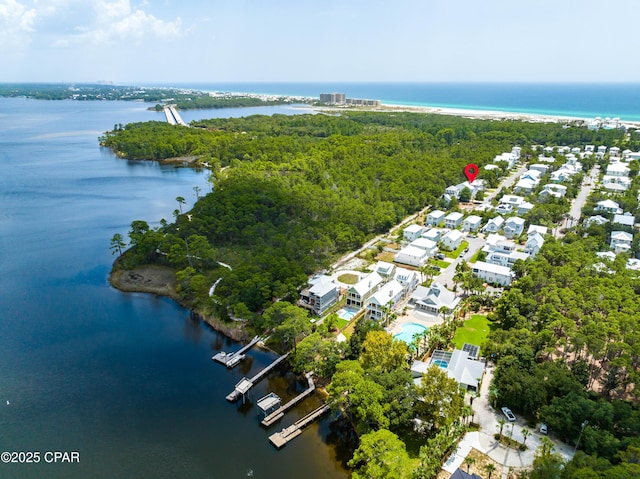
(279, 439)
(246, 384)
(279, 413)
(232, 359)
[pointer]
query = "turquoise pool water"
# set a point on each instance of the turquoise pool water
(440, 362)
(347, 313)
(408, 330)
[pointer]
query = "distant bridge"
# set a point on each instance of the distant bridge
(173, 117)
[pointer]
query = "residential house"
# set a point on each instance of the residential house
(492, 240)
(433, 234)
(384, 269)
(455, 190)
(432, 299)
(472, 223)
(453, 220)
(524, 208)
(320, 295)
(426, 244)
(608, 206)
(452, 240)
(602, 150)
(504, 208)
(617, 169)
(576, 150)
(542, 230)
(548, 150)
(461, 474)
(459, 364)
(512, 200)
(552, 190)
(491, 167)
(525, 186)
(626, 219)
(408, 278)
(533, 244)
(435, 218)
(621, 241)
(563, 150)
(492, 273)
(539, 167)
(359, 293)
(494, 224)
(412, 232)
(589, 148)
(513, 226)
(386, 297)
(614, 151)
(596, 220)
(412, 256)
(507, 259)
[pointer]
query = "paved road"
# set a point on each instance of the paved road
(446, 276)
(506, 183)
(588, 183)
(488, 418)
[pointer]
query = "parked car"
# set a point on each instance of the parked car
(543, 428)
(440, 256)
(509, 415)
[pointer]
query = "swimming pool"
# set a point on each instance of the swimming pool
(408, 330)
(347, 313)
(442, 363)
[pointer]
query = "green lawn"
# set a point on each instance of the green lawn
(474, 331)
(456, 253)
(348, 278)
(441, 264)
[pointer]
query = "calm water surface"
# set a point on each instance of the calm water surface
(124, 379)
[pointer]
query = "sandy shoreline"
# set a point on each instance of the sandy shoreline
(161, 281)
(477, 114)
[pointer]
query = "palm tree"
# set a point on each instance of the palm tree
(490, 468)
(501, 423)
(469, 461)
(197, 190)
(466, 412)
(525, 434)
(117, 243)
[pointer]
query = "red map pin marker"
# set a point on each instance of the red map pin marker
(471, 170)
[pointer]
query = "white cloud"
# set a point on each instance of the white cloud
(16, 22)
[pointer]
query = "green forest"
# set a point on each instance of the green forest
(292, 193)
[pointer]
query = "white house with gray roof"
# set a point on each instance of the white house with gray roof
(358, 294)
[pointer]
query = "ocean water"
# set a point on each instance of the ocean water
(581, 100)
(126, 380)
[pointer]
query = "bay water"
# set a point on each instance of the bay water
(125, 380)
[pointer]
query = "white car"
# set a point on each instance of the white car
(507, 412)
(543, 428)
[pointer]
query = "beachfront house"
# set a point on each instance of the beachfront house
(492, 273)
(472, 223)
(412, 232)
(411, 255)
(384, 300)
(452, 240)
(321, 293)
(453, 220)
(358, 294)
(432, 299)
(539, 167)
(435, 218)
(621, 241)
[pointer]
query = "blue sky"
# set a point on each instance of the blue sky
(164, 41)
